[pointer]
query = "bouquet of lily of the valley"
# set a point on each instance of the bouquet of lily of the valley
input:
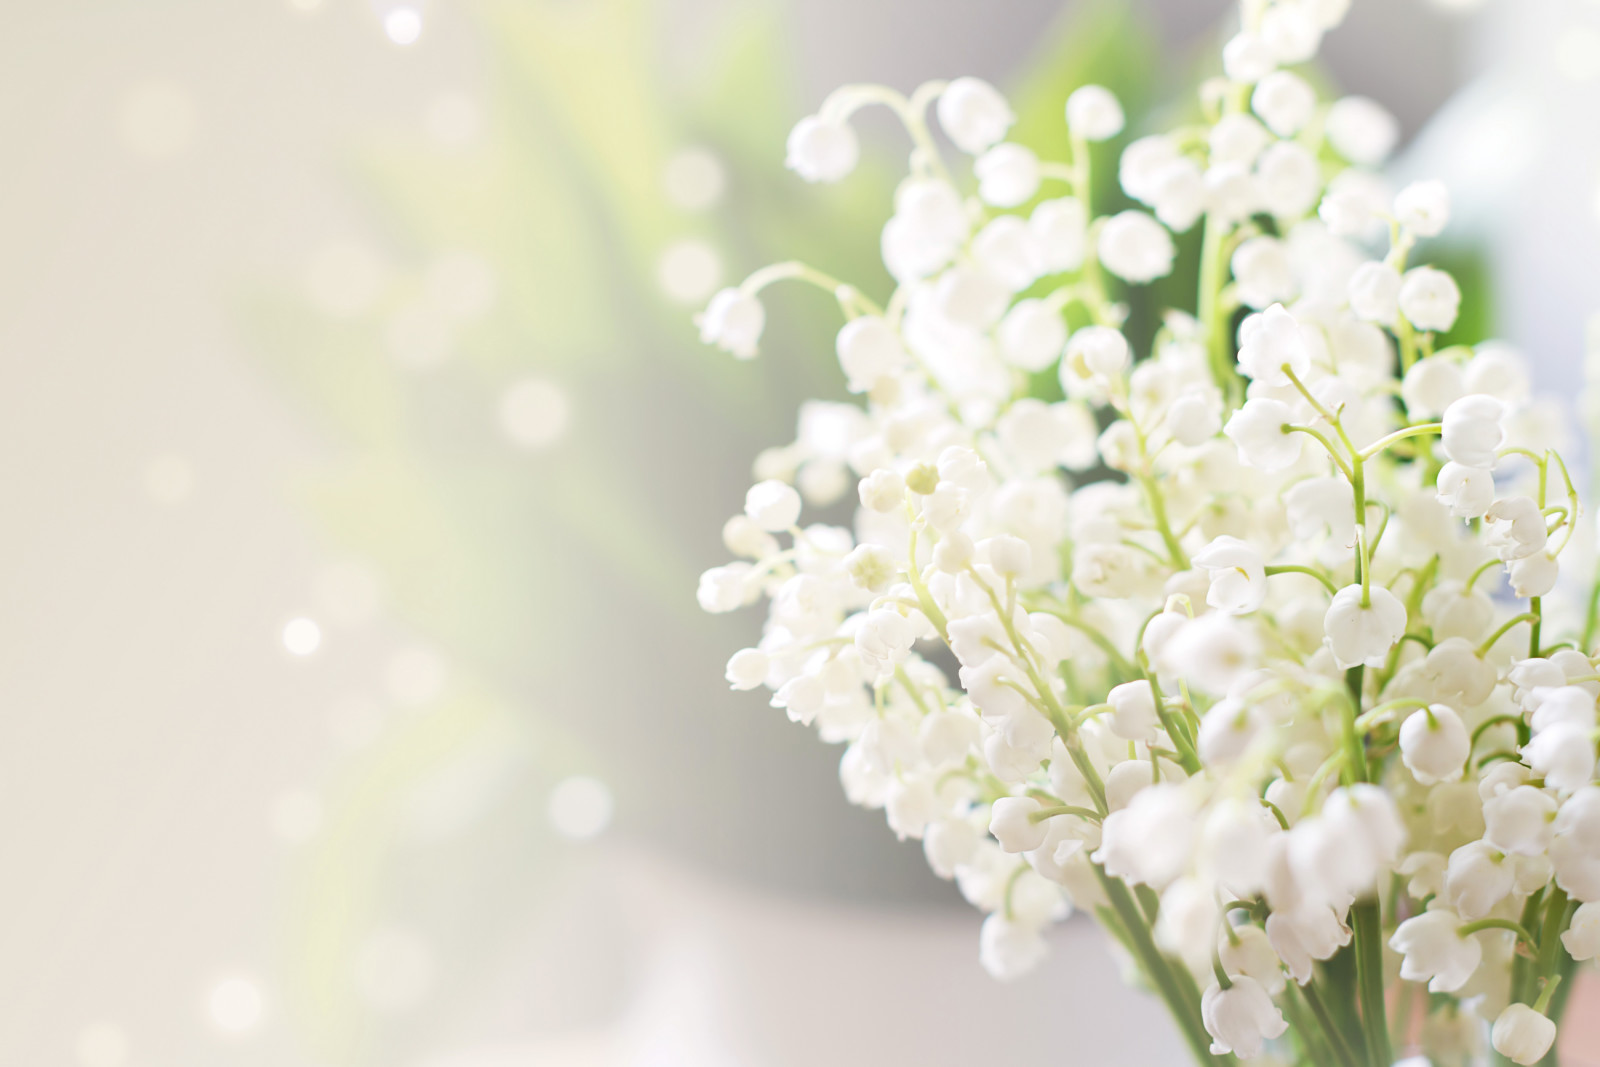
(1244, 635)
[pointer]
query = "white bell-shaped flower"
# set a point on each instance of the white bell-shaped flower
(1260, 432)
(1423, 208)
(1533, 575)
(1375, 293)
(974, 114)
(1515, 526)
(1363, 633)
(1522, 1035)
(1564, 755)
(773, 505)
(1237, 573)
(1305, 935)
(733, 321)
(1429, 298)
(1477, 877)
(822, 151)
(1032, 335)
(1249, 952)
(1273, 344)
(1136, 248)
(1012, 824)
(1008, 251)
(1133, 711)
(1467, 491)
(1434, 952)
(869, 350)
(1473, 430)
(1247, 59)
(1362, 130)
(1149, 841)
(1263, 272)
(1575, 846)
(1288, 180)
(1060, 229)
(1520, 821)
(747, 668)
(726, 588)
(1582, 939)
(1284, 101)
(1093, 113)
(1434, 743)
(1008, 175)
(1240, 1019)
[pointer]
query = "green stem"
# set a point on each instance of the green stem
(1331, 1029)
(1158, 969)
(1295, 568)
(1368, 926)
(1498, 924)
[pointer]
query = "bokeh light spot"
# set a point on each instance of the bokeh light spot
(236, 1005)
(463, 285)
(156, 120)
(296, 816)
(580, 807)
(694, 179)
(394, 971)
(534, 413)
(347, 593)
(403, 25)
(1578, 53)
(689, 271)
(415, 676)
(301, 636)
(452, 120)
(102, 1044)
(344, 279)
(168, 479)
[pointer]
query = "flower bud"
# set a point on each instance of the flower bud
(1522, 1035)
(1285, 102)
(869, 349)
(733, 321)
(1240, 1019)
(1434, 744)
(1362, 130)
(1473, 432)
(747, 668)
(1009, 556)
(1136, 248)
(1429, 299)
(1467, 491)
(1093, 113)
(1008, 175)
(822, 151)
(1011, 824)
(974, 114)
(1133, 711)
(1434, 952)
(883, 490)
(774, 505)
(1423, 208)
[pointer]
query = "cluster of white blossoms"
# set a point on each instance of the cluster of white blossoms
(1238, 644)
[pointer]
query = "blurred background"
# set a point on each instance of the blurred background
(360, 459)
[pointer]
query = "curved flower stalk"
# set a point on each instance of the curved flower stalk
(1276, 691)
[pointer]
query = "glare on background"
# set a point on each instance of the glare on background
(689, 271)
(580, 807)
(236, 1005)
(301, 636)
(157, 119)
(534, 413)
(694, 179)
(102, 1044)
